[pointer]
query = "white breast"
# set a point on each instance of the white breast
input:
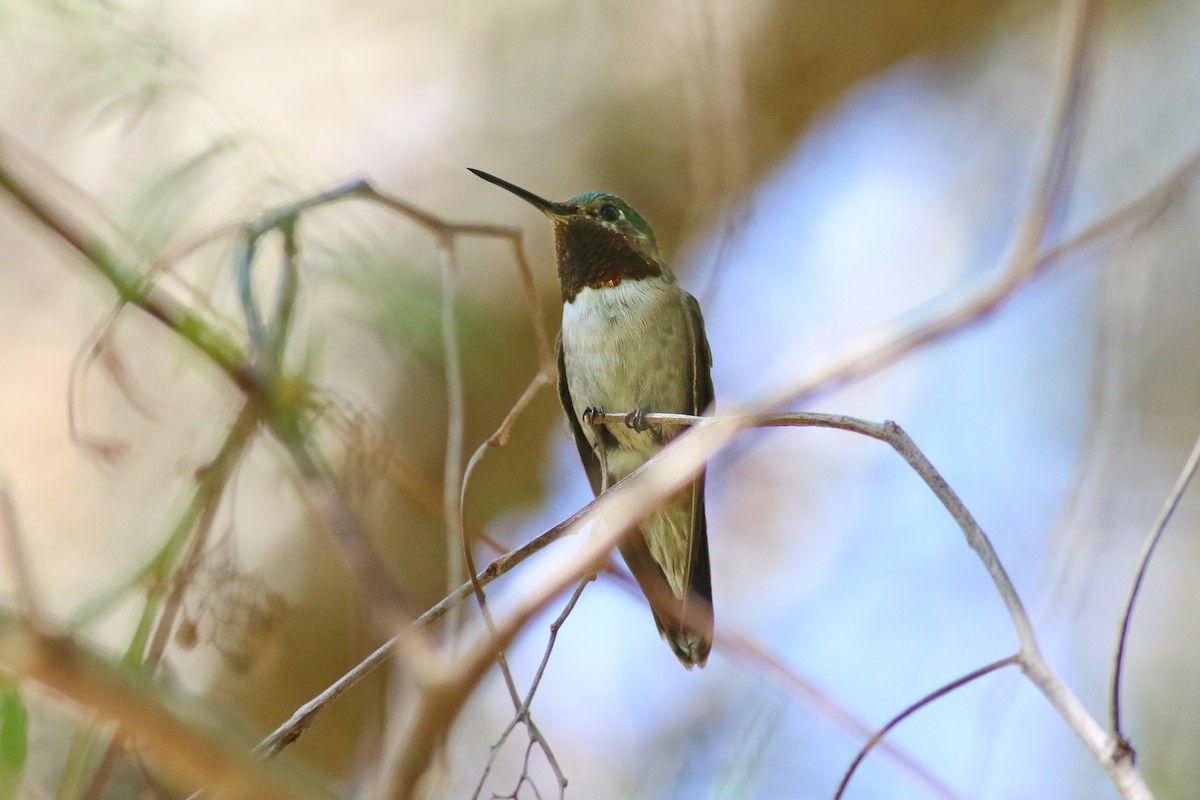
(625, 347)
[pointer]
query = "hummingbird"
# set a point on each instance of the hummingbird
(633, 340)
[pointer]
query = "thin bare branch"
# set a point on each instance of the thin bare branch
(372, 453)
(498, 439)
(1081, 20)
(263, 382)
(212, 481)
(185, 743)
(1152, 539)
(304, 716)
(534, 304)
(454, 482)
(756, 656)
(286, 292)
(18, 559)
(101, 340)
(1025, 260)
(671, 468)
(223, 352)
(457, 545)
(877, 737)
(536, 738)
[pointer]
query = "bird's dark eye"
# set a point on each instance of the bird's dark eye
(610, 212)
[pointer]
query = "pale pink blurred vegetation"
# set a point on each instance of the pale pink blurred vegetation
(171, 119)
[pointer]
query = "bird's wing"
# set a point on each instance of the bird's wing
(699, 577)
(701, 357)
(591, 462)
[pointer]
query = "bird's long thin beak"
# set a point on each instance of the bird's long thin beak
(545, 206)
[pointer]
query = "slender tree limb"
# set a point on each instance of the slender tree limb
(523, 716)
(1143, 564)
(498, 439)
(17, 557)
(1056, 177)
(222, 351)
(250, 374)
(877, 737)
(443, 694)
(211, 483)
(304, 716)
(188, 747)
(455, 481)
(702, 443)
(686, 455)
(214, 477)
(673, 467)
(757, 657)
(1053, 183)
(457, 545)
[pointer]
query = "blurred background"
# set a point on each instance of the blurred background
(813, 171)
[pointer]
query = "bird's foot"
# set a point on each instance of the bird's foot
(636, 419)
(589, 415)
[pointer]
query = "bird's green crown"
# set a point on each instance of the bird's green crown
(614, 213)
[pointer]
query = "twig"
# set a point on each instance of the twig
(754, 655)
(555, 627)
(454, 483)
(1026, 259)
(186, 744)
(214, 478)
(266, 385)
(303, 717)
(674, 466)
(523, 715)
(445, 691)
(498, 439)
(534, 304)
(457, 480)
(286, 292)
(1143, 564)
(18, 559)
(373, 453)
(453, 487)
(220, 350)
(211, 482)
(877, 737)
(101, 340)
(687, 454)
(1081, 20)
(891, 434)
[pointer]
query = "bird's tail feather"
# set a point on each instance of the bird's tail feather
(685, 623)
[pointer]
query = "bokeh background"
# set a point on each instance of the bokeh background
(814, 171)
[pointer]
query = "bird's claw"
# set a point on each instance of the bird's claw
(590, 413)
(636, 419)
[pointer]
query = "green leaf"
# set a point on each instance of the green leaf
(14, 742)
